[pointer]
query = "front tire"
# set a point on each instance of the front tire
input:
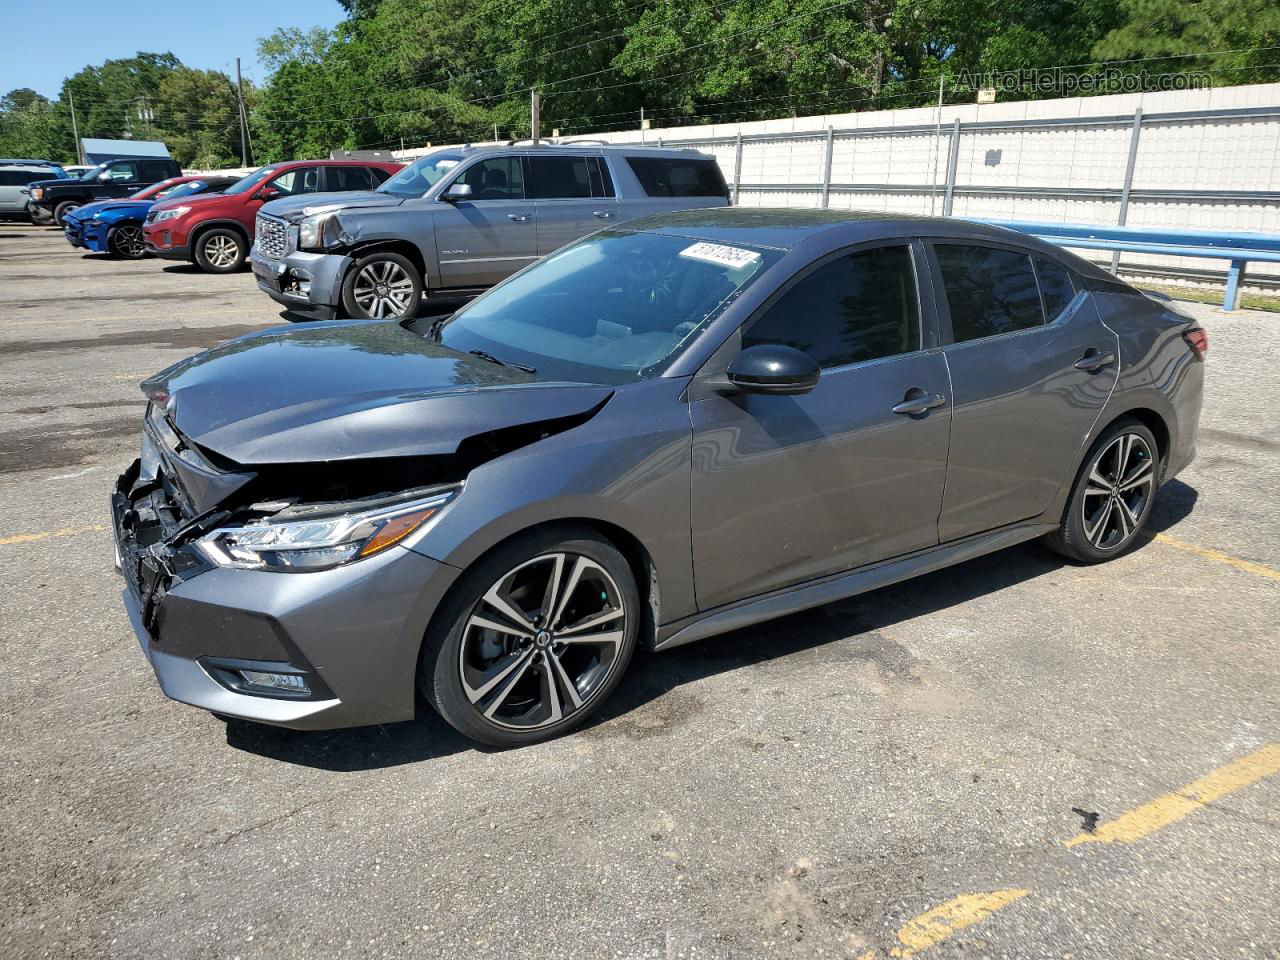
(532, 639)
(382, 286)
(61, 210)
(220, 250)
(1112, 496)
(127, 242)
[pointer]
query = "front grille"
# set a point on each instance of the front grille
(272, 237)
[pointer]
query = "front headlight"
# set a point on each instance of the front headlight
(311, 231)
(37, 193)
(171, 214)
(318, 542)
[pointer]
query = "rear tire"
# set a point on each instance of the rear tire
(382, 286)
(61, 210)
(220, 250)
(509, 660)
(125, 240)
(1112, 497)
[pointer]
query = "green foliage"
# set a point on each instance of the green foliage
(455, 70)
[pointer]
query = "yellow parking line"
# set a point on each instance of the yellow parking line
(1247, 566)
(931, 928)
(46, 534)
(1162, 811)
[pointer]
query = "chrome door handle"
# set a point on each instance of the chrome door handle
(1094, 361)
(518, 217)
(917, 402)
(602, 214)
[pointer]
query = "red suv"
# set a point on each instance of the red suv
(215, 231)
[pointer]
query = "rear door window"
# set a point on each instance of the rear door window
(678, 177)
(989, 290)
(1056, 288)
(153, 171)
(350, 178)
(559, 178)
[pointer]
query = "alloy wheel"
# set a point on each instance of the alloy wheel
(1120, 484)
(383, 289)
(129, 241)
(221, 251)
(543, 641)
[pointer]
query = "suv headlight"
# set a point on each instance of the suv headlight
(170, 214)
(305, 543)
(37, 193)
(311, 231)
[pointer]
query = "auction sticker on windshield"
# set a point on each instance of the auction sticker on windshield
(720, 254)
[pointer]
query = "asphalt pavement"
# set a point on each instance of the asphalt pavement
(1016, 757)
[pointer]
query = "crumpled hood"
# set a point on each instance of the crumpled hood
(117, 207)
(341, 391)
(291, 208)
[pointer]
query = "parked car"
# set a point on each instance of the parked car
(54, 199)
(16, 176)
(457, 221)
(115, 226)
(215, 232)
(682, 426)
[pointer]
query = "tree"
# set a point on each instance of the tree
(29, 127)
(196, 115)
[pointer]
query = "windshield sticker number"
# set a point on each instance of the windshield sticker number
(721, 255)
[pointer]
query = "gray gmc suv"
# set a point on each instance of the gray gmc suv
(460, 220)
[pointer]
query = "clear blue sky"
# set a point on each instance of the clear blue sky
(43, 43)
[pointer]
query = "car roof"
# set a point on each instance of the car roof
(41, 167)
(787, 228)
(572, 147)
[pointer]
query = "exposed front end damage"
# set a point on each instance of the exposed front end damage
(228, 616)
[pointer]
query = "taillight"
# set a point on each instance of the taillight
(1198, 341)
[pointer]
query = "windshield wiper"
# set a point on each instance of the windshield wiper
(502, 363)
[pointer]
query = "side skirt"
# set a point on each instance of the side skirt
(841, 586)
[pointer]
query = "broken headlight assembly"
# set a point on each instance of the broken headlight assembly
(318, 230)
(304, 539)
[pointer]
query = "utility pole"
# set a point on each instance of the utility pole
(642, 126)
(75, 133)
(534, 104)
(244, 125)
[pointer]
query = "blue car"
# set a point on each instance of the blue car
(115, 226)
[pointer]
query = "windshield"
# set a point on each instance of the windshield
(419, 177)
(608, 309)
(250, 180)
(156, 191)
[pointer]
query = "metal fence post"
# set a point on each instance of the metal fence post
(953, 161)
(737, 168)
(826, 166)
(1128, 180)
(1235, 277)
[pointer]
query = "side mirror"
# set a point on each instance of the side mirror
(457, 191)
(104, 177)
(773, 368)
(267, 193)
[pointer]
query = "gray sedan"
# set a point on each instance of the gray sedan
(666, 430)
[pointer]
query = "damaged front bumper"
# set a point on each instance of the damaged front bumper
(307, 283)
(352, 633)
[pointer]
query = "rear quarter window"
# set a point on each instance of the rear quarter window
(678, 177)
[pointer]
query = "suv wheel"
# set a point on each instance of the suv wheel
(126, 241)
(1112, 496)
(61, 210)
(382, 286)
(533, 638)
(220, 250)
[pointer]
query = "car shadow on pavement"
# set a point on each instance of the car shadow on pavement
(651, 676)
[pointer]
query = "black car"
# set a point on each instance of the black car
(54, 199)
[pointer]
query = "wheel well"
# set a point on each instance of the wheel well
(204, 228)
(1155, 423)
(637, 557)
(402, 247)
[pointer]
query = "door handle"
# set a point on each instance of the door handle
(602, 214)
(1093, 361)
(917, 401)
(518, 217)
